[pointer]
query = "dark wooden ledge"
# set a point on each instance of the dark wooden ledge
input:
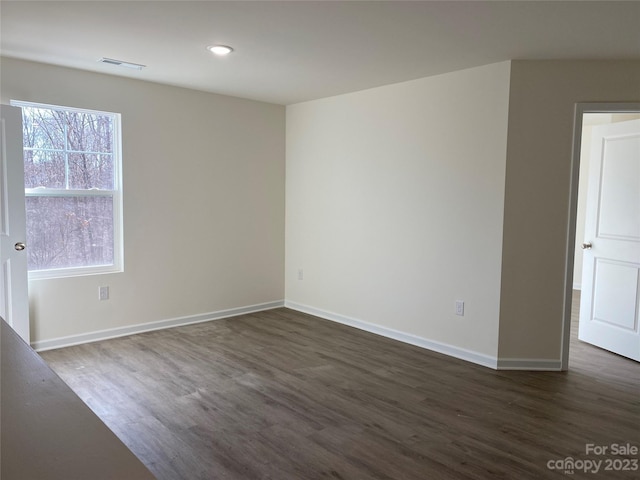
(47, 432)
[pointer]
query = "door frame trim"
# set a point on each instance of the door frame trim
(580, 109)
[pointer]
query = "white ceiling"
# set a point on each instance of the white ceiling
(288, 52)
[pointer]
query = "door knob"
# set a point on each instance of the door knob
(587, 246)
(19, 246)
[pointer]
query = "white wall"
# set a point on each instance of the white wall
(542, 100)
(203, 202)
(395, 200)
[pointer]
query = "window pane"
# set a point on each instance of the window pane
(68, 149)
(90, 133)
(43, 128)
(43, 169)
(90, 171)
(69, 232)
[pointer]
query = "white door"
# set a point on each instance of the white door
(610, 301)
(14, 300)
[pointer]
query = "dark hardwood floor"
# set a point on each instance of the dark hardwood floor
(284, 395)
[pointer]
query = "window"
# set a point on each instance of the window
(73, 195)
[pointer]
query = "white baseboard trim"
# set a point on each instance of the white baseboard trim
(42, 345)
(446, 349)
(451, 350)
(531, 364)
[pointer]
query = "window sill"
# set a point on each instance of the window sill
(74, 272)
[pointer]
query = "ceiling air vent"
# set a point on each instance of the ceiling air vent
(120, 63)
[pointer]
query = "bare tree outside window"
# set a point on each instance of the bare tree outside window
(71, 187)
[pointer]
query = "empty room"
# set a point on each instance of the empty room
(320, 239)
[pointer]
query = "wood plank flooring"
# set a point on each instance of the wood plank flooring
(285, 395)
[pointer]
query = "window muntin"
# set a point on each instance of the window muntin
(73, 190)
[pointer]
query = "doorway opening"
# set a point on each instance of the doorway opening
(603, 251)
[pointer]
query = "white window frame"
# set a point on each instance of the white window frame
(116, 194)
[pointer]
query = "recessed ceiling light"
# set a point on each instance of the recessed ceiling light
(221, 50)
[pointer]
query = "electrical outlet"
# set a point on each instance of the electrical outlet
(460, 307)
(103, 293)
(300, 274)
